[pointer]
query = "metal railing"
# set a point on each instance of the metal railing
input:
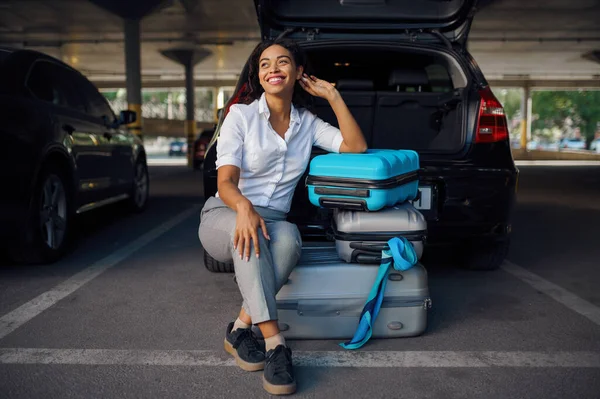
(166, 111)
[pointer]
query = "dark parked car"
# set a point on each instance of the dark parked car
(405, 73)
(63, 153)
(203, 141)
(200, 146)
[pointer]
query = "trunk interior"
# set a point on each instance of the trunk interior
(402, 98)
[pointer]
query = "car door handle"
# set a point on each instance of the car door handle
(68, 128)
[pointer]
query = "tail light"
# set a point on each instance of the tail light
(491, 126)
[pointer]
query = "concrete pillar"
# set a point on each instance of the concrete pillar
(191, 129)
(529, 113)
(133, 67)
(525, 117)
(216, 102)
(188, 58)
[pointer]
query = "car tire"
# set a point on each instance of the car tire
(140, 190)
(215, 266)
(47, 234)
(488, 256)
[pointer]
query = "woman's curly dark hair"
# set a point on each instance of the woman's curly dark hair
(252, 90)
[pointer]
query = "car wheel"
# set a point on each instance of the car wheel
(215, 266)
(46, 237)
(486, 256)
(138, 198)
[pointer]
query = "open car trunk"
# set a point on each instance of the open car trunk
(401, 97)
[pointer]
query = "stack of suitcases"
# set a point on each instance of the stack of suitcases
(371, 196)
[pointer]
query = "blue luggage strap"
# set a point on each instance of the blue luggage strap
(401, 254)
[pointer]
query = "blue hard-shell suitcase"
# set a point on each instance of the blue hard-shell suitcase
(368, 182)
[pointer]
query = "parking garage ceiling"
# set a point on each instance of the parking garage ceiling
(510, 39)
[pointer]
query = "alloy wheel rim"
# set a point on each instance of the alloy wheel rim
(141, 185)
(53, 212)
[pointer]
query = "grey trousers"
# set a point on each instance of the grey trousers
(260, 279)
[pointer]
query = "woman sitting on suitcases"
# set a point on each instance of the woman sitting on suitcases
(263, 149)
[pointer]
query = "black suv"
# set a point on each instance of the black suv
(404, 71)
(63, 152)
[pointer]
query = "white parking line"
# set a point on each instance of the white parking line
(557, 162)
(557, 293)
(384, 359)
(13, 320)
(167, 162)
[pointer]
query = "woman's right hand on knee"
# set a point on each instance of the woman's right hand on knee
(248, 222)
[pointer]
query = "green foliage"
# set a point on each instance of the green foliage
(110, 95)
(203, 96)
(556, 108)
(511, 101)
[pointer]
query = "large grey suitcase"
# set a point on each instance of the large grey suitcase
(360, 236)
(325, 296)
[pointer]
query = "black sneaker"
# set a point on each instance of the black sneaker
(243, 345)
(278, 378)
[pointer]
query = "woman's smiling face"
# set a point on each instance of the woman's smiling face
(277, 71)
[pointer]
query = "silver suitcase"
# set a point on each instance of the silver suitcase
(360, 236)
(325, 296)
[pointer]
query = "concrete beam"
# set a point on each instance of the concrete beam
(185, 56)
(548, 84)
(131, 9)
(539, 84)
(170, 128)
(563, 155)
(152, 84)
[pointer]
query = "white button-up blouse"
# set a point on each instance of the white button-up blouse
(271, 166)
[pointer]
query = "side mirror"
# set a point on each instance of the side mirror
(127, 117)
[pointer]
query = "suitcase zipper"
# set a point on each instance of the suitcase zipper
(362, 183)
(425, 303)
(419, 235)
(403, 303)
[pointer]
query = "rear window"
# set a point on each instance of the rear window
(439, 78)
(389, 71)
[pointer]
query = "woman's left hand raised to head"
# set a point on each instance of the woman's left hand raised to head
(318, 87)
